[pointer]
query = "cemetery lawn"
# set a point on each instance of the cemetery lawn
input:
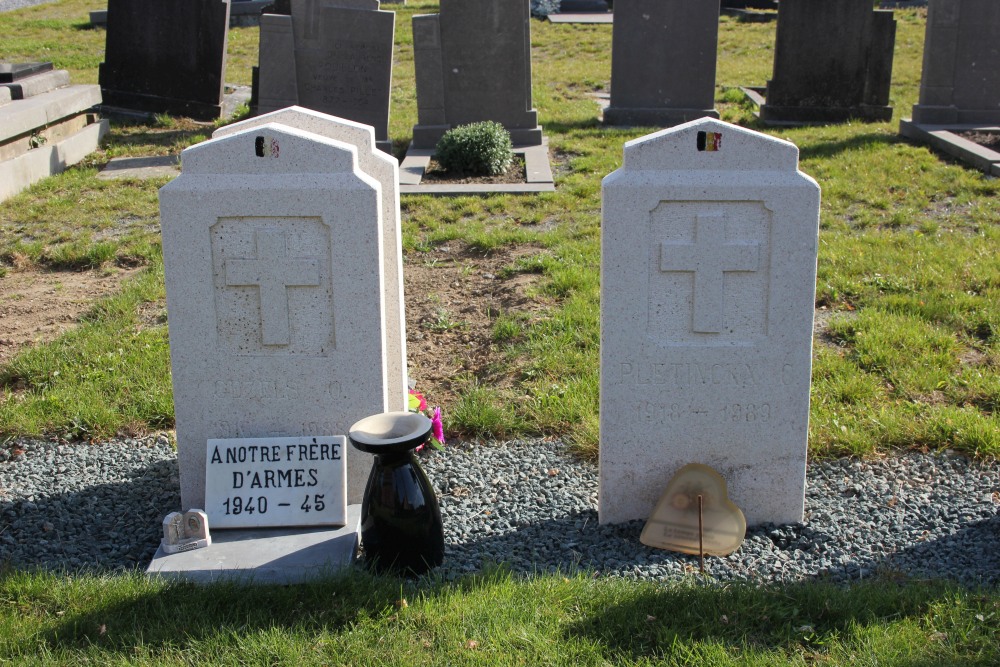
(502, 297)
(491, 619)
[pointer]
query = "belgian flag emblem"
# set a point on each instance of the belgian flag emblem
(710, 141)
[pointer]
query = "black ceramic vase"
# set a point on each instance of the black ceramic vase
(401, 529)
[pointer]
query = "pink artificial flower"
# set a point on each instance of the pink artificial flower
(420, 397)
(438, 425)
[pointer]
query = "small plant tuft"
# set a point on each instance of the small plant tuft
(481, 149)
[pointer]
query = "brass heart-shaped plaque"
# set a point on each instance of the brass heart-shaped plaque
(673, 524)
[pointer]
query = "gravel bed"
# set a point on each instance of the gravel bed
(11, 5)
(530, 505)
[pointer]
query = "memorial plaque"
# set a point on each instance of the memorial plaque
(271, 482)
(709, 238)
(695, 515)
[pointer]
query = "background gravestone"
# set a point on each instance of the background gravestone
(960, 83)
(332, 56)
(167, 56)
(663, 55)
(473, 63)
(709, 238)
(832, 62)
(384, 169)
(272, 250)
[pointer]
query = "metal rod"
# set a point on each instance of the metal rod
(701, 533)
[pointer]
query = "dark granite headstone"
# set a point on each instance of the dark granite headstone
(832, 62)
(473, 63)
(961, 78)
(276, 85)
(663, 55)
(166, 56)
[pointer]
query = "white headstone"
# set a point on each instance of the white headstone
(272, 249)
(385, 169)
(708, 272)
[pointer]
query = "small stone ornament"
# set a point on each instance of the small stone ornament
(185, 532)
(695, 515)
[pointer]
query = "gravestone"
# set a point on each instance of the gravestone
(832, 62)
(473, 63)
(272, 250)
(960, 84)
(384, 169)
(332, 56)
(708, 270)
(663, 55)
(167, 56)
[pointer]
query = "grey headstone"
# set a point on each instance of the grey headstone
(961, 77)
(832, 62)
(343, 60)
(663, 55)
(167, 56)
(277, 85)
(473, 63)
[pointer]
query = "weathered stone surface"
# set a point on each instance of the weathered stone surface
(832, 62)
(708, 270)
(663, 55)
(473, 63)
(272, 248)
(960, 84)
(384, 169)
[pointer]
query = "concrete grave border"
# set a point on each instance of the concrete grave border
(945, 139)
(538, 172)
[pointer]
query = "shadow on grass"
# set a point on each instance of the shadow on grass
(824, 149)
(790, 619)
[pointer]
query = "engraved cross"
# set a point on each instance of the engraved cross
(709, 258)
(272, 272)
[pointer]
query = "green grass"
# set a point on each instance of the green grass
(907, 277)
(492, 619)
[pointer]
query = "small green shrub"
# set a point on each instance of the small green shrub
(478, 148)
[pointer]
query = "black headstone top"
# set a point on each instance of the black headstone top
(11, 72)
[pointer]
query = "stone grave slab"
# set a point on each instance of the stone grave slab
(582, 17)
(538, 175)
(37, 84)
(61, 117)
(154, 166)
(272, 248)
(473, 63)
(709, 238)
(166, 57)
(384, 169)
(832, 63)
(10, 72)
(663, 55)
(264, 555)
